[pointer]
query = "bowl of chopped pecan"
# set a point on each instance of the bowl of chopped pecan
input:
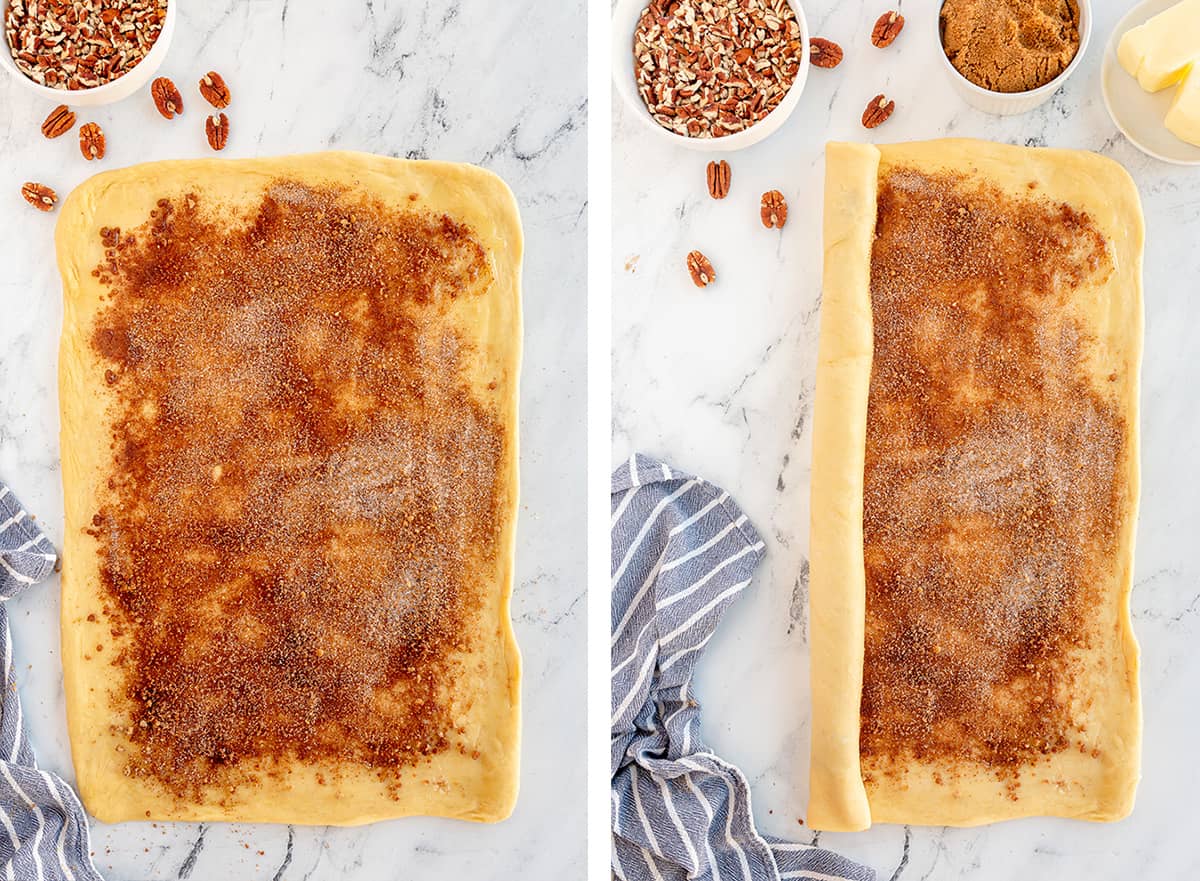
(84, 52)
(714, 75)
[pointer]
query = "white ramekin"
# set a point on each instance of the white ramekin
(1012, 103)
(122, 87)
(624, 23)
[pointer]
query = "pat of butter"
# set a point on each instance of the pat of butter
(1183, 119)
(1160, 51)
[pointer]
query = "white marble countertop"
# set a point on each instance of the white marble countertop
(720, 382)
(495, 84)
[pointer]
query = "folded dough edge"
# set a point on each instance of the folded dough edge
(837, 576)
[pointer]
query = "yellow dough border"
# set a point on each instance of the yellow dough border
(1070, 785)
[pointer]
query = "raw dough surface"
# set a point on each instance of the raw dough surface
(334, 341)
(888, 742)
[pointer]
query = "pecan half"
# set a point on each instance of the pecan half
(887, 28)
(701, 269)
(718, 179)
(59, 122)
(216, 127)
(773, 210)
(91, 141)
(824, 53)
(877, 111)
(166, 97)
(39, 196)
(214, 90)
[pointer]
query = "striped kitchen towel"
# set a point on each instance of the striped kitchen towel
(682, 551)
(45, 834)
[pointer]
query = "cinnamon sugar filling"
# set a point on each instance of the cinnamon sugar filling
(993, 483)
(305, 493)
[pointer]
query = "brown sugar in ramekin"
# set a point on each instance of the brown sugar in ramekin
(1010, 45)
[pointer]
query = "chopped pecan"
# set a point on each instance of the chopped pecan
(877, 111)
(59, 122)
(701, 269)
(166, 97)
(887, 28)
(39, 196)
(824, 53)
(91, 141)
(718, 179)
(214, 90)
(774, 210)
(80, 44)
(712, 68)
(216, 127)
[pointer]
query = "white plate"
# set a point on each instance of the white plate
(624, 21)
(1137, 113)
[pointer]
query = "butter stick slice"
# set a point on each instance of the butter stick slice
(1160, 52)
(1183, 119)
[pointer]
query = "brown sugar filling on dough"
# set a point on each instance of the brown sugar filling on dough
(305, 493)
(992, 485)
(1010, 45)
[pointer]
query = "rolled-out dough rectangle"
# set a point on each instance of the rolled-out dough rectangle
(1010, 380)
(289, 451)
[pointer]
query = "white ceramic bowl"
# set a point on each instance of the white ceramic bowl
(1012, 103)
(1137, 113)
(122, 87)
(624, 23)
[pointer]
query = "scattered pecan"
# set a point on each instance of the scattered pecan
(166, 97)
(887, 28)
(824, 53)
(701, 269)
(91, 141)
(214, 90)
(217, 129)
(39, 196)
(718, 179)
(59, 122)
(877, 111)
(774, 210)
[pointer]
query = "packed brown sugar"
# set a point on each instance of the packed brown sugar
(1010, 45)
(992, 486)
(304, 487)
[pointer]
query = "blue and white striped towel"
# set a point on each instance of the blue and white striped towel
(682, 551)
(45, 831)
